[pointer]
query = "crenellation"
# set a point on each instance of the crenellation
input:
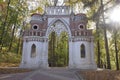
(58, 10)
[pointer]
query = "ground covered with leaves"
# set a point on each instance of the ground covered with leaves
(100, 75)
(9, 63)
(13, 70)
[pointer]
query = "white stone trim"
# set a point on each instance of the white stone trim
(34, 38)
(58, 19)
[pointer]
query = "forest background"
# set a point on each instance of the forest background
(15, 16)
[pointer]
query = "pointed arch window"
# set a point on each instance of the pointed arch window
(33, 51)
(82, 50)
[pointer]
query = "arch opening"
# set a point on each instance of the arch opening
(33, 51)
(82, 50)
(58, 47)
(58, 26)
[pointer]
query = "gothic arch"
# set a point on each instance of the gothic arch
(66, 26)
(33, 51)
(82, 51)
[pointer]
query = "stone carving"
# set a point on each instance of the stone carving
(58, 10)
(58, 27)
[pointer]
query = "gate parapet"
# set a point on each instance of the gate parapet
(58, 10)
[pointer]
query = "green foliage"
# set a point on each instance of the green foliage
(97, 13)
(13, 15)
(10, 58)
(58, 50)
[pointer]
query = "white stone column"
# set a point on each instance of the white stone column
(24, 55)
(88, 52)
(70, 54)
(92, 52)
(39, 55)
(45, 54)
(94, 66)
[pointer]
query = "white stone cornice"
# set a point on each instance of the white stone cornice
(82, 38)
(34, 38)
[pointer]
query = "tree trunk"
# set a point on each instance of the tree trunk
(98, 44)
(116, 50)
(3, 27)
(105, 38)
(13, 32)
(18, 46)
(21, 46)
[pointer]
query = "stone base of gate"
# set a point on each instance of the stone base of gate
(34, 65)
(84, 66)
(45, 66)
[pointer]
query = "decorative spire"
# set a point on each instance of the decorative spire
(55, 2)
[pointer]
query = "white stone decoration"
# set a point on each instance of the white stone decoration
(56, 24)
(58, 27)
(58, 10)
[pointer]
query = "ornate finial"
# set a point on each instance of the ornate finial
(55, 2)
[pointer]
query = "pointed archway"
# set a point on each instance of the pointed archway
(58, 25)
(58, 50)
(58, 44)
